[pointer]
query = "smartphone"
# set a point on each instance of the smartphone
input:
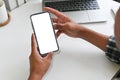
(44, 33)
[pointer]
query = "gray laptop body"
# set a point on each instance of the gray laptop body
(79, 16)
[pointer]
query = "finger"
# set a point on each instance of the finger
(33, 43)
(49, 56)
(55, 12)
(34, 48)
(55, 20)
(58, 33)
(58, 26)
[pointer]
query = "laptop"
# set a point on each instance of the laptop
(116, 76)
(81, 11)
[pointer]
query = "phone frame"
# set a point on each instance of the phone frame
(36, 36)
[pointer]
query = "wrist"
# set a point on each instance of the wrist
(34, 76)
(82, 31)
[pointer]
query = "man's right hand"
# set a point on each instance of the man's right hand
(64, 24)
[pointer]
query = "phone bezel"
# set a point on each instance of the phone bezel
(36, 36)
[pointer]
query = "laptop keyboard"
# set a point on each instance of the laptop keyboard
(73, 5)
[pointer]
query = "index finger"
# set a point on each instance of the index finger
(55, 12)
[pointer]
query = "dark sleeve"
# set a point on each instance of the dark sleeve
(112, 51)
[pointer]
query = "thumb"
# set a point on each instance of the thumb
(33, 43)
(58, 33)
(49, 56)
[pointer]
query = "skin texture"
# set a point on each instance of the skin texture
(38, 64)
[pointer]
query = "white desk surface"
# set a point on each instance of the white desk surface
(78, 60)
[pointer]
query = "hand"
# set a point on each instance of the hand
(60, 17)
(69, 28)
(38, 65)
(64, 24)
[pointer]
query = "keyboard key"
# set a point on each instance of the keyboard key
(73, 5)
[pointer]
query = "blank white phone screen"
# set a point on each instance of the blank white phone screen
(44, 32)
